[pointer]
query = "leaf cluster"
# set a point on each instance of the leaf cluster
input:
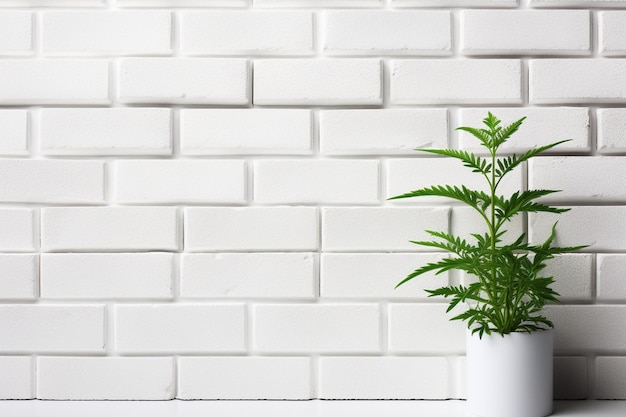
(509, 290)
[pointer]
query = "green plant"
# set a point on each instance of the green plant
(509, 292)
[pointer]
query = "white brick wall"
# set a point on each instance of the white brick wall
(527, 32)
(14, 132)
(105, 131)
(324, 328)
(156, 181)
(20, 275)
(387, 32)
(170, 328)
(76, 328)
(62, 81)
(383, 377)
(109, 228)
(243, 131)
(193, 192)
(493, 81)
(107, 275)
(251, 228)
(20, 385)
(316, 181)
(51, 181)
(248, 378)
(266, 33)
(16, 32)
(253, 275)
(380, 132)
(105, 378)
(109, 33)
(318, 82)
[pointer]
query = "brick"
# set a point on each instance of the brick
(16, 27)
(382, 132)
(555, 173)
(107, 33)
(20, 273)
(388, 378)
(316, 181)
(553, 81)
(189, 181)
(609, 383)
(327, 328)
(182, 3)
(245, 131)
(250, 275)
(249, 378)
(106, 131)
(318, 3)
(184, 81)
(251, 228)
(346, 229)
(318, 82)
(374, 275)
(20, 385)
(460, 3)
(525, 32)
(14, 132)
(53, 3)
(479, 81)
(577, 3)
(573, 276)
(425, 329)
(570, 378)
(107, 275)
(81, 378)
(247, 33)
(610, 277)
(18, 230)
(52, 328)
(52, 181)
(611, 127)
(583, 328)
(109, 228)
(611, 32)
(179, 328)
(542, 127)
(584, 225)
(405, 175)
(63, 81)
(368, 32)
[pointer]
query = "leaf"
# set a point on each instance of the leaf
(507, 164)
(476, 163)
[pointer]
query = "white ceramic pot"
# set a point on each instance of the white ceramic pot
(510, 376)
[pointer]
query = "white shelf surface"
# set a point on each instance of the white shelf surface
(314, 408)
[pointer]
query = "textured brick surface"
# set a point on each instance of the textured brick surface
(193, 193)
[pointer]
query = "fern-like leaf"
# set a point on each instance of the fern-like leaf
(507, 164)
(476, 163)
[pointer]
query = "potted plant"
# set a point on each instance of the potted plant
(509, 341)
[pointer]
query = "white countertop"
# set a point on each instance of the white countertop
(314, 408)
